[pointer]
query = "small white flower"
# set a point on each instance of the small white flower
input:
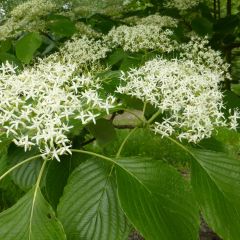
(234, 119)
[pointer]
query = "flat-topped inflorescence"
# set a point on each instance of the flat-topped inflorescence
(181, 4)
(185, 91)
(26, 17)
(141, 38)
(40, 105)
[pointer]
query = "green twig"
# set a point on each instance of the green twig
(124, 142)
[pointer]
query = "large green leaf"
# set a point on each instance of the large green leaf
(56, 179)
(5, 45)
(157, 200)
(7, 57)
(216, 183)
(27, 46)
(3, 156)
(89, 208)
(26, 175)
(31, 218)
(61, 26)
(57, 175)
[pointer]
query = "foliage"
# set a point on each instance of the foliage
(119, 115)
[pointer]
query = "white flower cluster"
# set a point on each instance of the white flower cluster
(141, 37)
(181, 4)
(186, 93)
(39, 105)
(84, 51)
(155, 19)
(84, 29)
(199, 51)
(26, 16)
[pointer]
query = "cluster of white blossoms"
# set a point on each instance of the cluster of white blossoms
(141, 37)
(199, 51)
(84, 29)
(181, 4)
(26, 16)
(85, 52)
(155, 19)
(185, 92)
(39, 105)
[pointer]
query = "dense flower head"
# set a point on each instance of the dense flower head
(84, 29)
(39, 105)
(155, 19)
(181, 4)
(141, 37)
(199, 51)
(185, 92)
(26, 16)
(84, 52)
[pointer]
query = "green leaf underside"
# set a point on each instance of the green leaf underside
(157, 200)
(31, 218)
(216, 183)
(89, 208)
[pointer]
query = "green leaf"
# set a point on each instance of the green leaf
(216, 183)
(131, 62)
(26, 175)
(156, 199)
(5, 46)
(117, 56)
(58, 173)
(3, 156)
(61, 26)
(139, 145)
(202, 26)
(27, 46)
(110, 80)
(31, 218)
(89, 208)
(103, 131)
(7, 57)
(56, 179)
(231, 100)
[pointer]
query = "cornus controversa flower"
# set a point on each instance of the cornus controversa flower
(181, 4)
(199, 51)
(84, 52)
(141, 37)
(41, 105)
(185, 92)
(155, 19)
(26, 16)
